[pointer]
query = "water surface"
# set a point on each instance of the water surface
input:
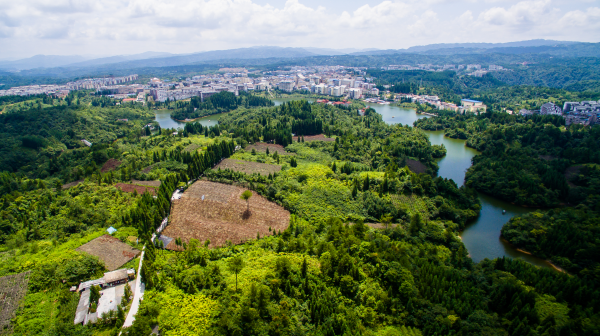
(163, 117)
(396, 115)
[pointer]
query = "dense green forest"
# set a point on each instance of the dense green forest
(331, 274)
(223, 101)
(372, 247)
(46, 140)
(523, 159)
(567, 236)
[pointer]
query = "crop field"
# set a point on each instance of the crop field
(248, 167)
(154, 184)
(262, 148)
(222, 215)
(71, 184)
(318, 137)
(111, 164)
(110, 250)
(131, 187)
(12, 290)
(416, 166)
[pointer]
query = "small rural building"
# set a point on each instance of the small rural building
(115, 277)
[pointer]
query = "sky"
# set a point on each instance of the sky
(118, 27)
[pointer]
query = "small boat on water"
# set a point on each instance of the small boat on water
(503, 212)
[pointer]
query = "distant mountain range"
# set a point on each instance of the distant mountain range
(57, 64)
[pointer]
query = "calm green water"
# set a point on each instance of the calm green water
(163, 117)
(482, 237)
(396, 115)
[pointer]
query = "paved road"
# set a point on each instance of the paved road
(139, 285)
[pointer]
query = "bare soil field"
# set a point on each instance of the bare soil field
(140, 189)
(154, 184)
(262, 147)
(416, 166)
(381, 226)
(318, 137)
(111, 164)
(12, 290)
(71, 184)
(148, 169)
(248, 167)
(222, 215)
(110, 250)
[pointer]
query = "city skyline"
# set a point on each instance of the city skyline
(68, 27)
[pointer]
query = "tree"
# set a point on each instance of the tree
(386, 219)
(415, 223)
(246, 197)
(236, 265)
(127, 294)
(94, 294)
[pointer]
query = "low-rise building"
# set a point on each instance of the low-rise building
(473, 106)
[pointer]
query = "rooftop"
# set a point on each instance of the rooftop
(470, 101)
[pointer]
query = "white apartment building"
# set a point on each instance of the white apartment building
(551, 109)
(287, 86)
(355, 93)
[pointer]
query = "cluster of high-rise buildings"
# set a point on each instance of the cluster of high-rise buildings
(331, 80)
(62, 90)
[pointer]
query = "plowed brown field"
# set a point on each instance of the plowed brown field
(222, 216)
(318, 137)
(262, 147)
(248, 167)
(140, 189)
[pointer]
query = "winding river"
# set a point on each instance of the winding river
(482, 237)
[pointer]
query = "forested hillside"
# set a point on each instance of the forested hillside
(372, 247)
(45, 140)
(523, 159)
(223, 101)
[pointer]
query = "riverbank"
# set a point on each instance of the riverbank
(550, 263)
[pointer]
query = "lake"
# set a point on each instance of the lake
(163, 117)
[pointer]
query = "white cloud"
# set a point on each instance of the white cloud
(131, 26)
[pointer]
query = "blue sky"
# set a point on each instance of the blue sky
(113, 27)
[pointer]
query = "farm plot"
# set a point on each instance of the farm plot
(154, 184)
(262, 148)
(214, 211)
(111, 164)
(248, 167)
(131, 188)
(318, 137)
(110, 250)
(12, 290)
(416, 166)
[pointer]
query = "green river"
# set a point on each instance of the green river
(482, 237)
